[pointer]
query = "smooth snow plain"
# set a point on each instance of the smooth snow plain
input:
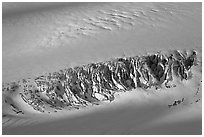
(40, 38)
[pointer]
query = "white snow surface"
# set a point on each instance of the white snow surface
(42, 38)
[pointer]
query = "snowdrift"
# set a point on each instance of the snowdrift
(102, 68)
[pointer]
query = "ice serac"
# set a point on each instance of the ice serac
(97, 82)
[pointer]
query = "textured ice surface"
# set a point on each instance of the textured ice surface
(42, 38)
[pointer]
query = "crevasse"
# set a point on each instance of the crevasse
(95, 82)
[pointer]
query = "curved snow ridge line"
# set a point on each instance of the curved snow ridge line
(10, 121)
(97, 82)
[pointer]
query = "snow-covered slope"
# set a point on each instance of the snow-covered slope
(51, 37)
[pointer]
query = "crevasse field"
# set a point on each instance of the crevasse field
(43, 38)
